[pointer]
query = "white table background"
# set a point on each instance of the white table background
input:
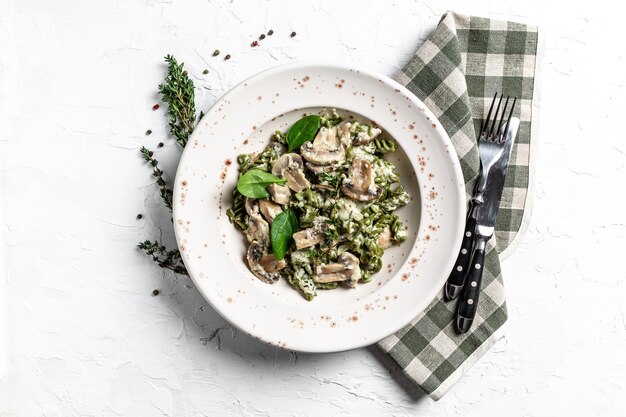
(80, 333)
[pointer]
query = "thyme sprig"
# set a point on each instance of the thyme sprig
(166, 192)
(169, 259)
(177, 90)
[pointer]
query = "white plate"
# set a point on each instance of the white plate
(214, 250)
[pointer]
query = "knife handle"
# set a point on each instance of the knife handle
(459, 272)
(468, 302)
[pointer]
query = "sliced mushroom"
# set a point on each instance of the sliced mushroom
(343, 132)
(384, 240)
(365, 134)
(269, 210)
(286, 162)
(318, 169)
(346, 269)
(296, 180)
(279, 193)
(330, 273)
(271, 264)
(264, 266)
(258, 230)
(326, 149)
(360, 184)
(289, 166)
(252, 207)
(308, 237)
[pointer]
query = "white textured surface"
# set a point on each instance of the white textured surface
(80, 334)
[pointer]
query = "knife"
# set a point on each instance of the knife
(485, 223)
(455, 281)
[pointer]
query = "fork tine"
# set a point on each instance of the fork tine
(506, 103)
(483, 130)
(495, 117)
(506, 130)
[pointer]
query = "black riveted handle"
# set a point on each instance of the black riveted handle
(468, 302)
(454, 285)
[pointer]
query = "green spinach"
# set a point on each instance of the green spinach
(302, 131)
(281, 232)
(254, 183)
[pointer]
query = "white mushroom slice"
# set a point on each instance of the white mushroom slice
(269, 210)
(286, 162)
(296, 180)
(271, 264)
(258, 230)
(365, 134)
(318, 169)
(360, 184)
(279, 193)
(384, 240)
(330, 273)
(343, 132)
(289, 167)
(252, 207)
(308, 237)
(326, 149)
(346, 269)
(262, 265)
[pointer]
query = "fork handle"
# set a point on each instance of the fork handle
(468, 302)
(459, 272)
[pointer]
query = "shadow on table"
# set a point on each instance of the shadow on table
(207, 333)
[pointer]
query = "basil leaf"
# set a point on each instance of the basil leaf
(281, 232)
(254, 182)
(302, 131)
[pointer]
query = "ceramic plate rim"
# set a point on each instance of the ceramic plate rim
(455, 171)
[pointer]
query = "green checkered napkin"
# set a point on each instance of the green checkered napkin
(455, 73)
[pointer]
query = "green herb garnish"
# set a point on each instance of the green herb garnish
(281, 232)
(254, 183)
(166, 192)
(302, 131)
(177, 91)
(169, 259)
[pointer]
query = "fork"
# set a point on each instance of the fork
(490, 147)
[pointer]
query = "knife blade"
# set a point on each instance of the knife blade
(485, 224)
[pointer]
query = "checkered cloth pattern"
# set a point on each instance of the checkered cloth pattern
(456, 72)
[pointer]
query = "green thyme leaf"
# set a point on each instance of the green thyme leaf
(166, 192)
(169, 259)
(281, 232)
(254, 183)
(302, 131)
(177, 90)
